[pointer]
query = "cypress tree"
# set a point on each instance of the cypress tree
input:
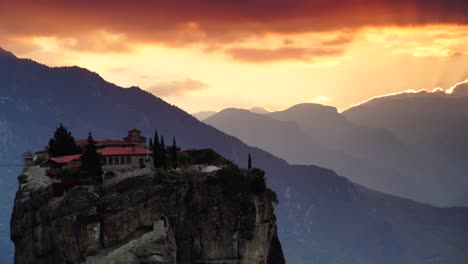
(62, 143)
(174, 153)
(151, 146)
(163, 153)
(249, 165)
(91, 161)
(156, 151)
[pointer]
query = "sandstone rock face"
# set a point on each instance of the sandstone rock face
(170, 218)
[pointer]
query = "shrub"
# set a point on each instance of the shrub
(207, 156)
(232, 180)
(257, 181)
(66, 174)
(272, 195)
(184, 159)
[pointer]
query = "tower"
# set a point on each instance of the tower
(134, 136)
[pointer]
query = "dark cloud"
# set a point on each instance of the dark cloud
(181, 22)
(178, 87)
(115, 26)
(259, 55)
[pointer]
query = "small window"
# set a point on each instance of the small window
(116, 160)
(104, 161)
(111, 161)
(129, 160)
(122, 159)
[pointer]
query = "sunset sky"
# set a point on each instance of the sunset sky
(209, 55)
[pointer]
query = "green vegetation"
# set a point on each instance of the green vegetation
(202, 156)
(258, 185)
(62, 143)
(256, 179)
(183, 159)
(66, 174)
(163, 155)
(156, 150)
(91, 162)
(174, 154)
(272, 195)
(234, 181)
(249, 162)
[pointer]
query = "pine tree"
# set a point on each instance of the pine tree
(156, 151)
(163, 153)
(91, 161)
(174, 154)
(151, 145)
(62, 143)
(249, 166)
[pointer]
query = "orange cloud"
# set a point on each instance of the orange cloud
(178, 87)
(283, 53)
(99, 41)
(340, 40)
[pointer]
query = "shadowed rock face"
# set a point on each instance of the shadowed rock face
(148, 219)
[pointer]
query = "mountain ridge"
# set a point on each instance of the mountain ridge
(322, 217)
(316, 134)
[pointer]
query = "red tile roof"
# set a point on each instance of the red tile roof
(112, 151)
(81, 143)
(66, 159)
(104, 143)
(113, 142)
(44, 150)
(109, 151)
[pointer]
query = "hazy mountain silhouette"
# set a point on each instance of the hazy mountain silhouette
(203, 115)
(316, 134)
(207, 114)
(323, 218)
(435, 124)
(258, 110)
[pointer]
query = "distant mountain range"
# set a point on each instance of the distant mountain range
(206, 114)
(322, 217)
(413, 145)
(435, 125)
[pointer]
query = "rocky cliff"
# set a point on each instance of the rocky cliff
(157, 218)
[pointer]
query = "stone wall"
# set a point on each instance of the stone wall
(134, 163)
(120, 176)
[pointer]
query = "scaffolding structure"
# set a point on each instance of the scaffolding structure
(27, 160)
